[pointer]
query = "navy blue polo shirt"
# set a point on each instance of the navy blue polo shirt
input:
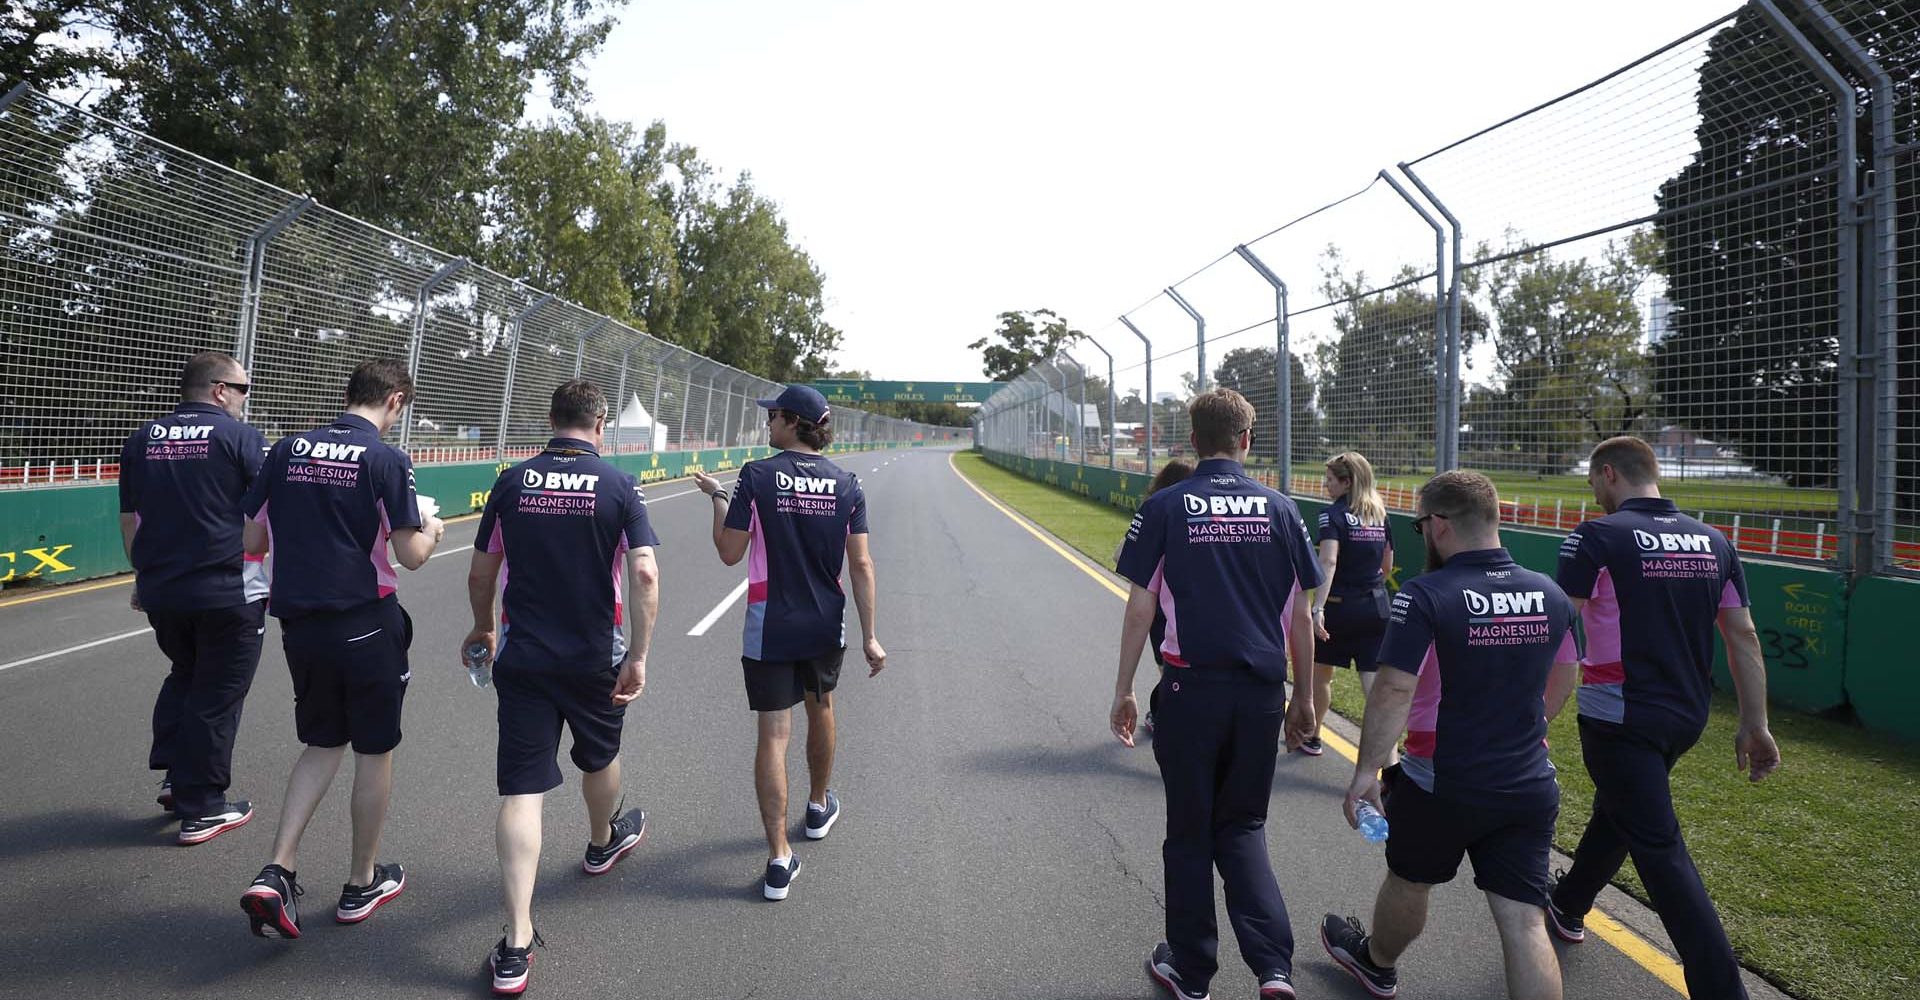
(1227, 558)
(1363, 548)
(182, 478)
(565, 520)
(1482, 633)
(798, 509)
(329, 498)
(1654, 581)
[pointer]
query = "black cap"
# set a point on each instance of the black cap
(803, 401)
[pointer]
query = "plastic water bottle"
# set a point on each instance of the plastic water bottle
(1373, 826)
(479, 664)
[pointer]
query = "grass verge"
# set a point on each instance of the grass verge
(1813, 870)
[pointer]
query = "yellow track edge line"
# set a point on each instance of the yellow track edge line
(1638, 949)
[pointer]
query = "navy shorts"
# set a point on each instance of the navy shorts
(777, 685)
(1357, 622)
(350, 674)
(534, 704)
(1427, 836)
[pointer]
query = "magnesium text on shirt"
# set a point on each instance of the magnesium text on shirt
(1228, 519)
(813, 496)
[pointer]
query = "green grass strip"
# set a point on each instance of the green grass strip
(1813, 870)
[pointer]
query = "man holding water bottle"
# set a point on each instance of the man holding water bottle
(1481, 656)
(574, 529)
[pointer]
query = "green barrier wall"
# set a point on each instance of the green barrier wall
(72, 533)
(1824, 648)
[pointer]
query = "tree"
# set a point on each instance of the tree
(1027, 338)
(1250, 372)
(391, 112)
(1377, 390)
(1568, 365)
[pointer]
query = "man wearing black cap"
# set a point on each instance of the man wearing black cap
(794, 516)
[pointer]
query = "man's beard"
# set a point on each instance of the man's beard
(1433, 557)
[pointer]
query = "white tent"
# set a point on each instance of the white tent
(636, 417)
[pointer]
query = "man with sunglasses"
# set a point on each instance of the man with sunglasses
(795, 517)
(332, 502)
(181, 480)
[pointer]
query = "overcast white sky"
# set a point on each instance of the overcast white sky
(943, 163)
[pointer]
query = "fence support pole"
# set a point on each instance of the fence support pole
(1112, 414)
(1199, 339)
(1441, 338)
(654, 417)
(447, 270)
(513, 370)
(1451, 432)
(1854, 553)
(1282, 370)
(19, 90)
(706, 414)
(256, 270)
(580, 344)
(686, 401)
(619, 408)
(1149, 351)
(1876, 364)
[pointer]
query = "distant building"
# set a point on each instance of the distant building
(1659, 320)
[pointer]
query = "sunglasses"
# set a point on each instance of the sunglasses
(1419, 523)
(240, 387)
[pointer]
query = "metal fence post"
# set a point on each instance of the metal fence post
(620, 397)
(513, 366)
(1112, 413)
(654, 417)
(1451, 434)
(1282, 370)
(19, 90)
(1149, 351)
(706, 414)
(256, 271)
(447, 270)
(686, 401)
(1442, 339)
(1199, 340)
(1080, 415)
(1854, 553)
(580, 343)
(1879, 336)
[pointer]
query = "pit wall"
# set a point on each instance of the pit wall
(70, 533)
(1827, 646)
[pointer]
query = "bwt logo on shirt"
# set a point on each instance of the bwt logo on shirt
(1532, 602)
(161, 432)
(820, 485)
(1667, 541)
(572, 481)
(1200, 506)
(1353, 519)
(327, 451)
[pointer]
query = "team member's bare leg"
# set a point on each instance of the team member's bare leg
(820, 744)
(306, 786)
(372, 791)
(517, 836)
(601, 789)
(1533, 970)
(770, 779)
(1399, 915)
(1322, 694)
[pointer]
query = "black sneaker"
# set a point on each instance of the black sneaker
(510, 967)
(357, 902)
(165, 798)
(204, 828)
(1570, 929)
(1346, 941)
(820, 819)
(628, 833)
(1312, 746)
(1276, 986)
(1160, 967)
(270, 903)
(779, 877)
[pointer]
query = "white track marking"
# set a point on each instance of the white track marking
(718, 610)
(76, 649)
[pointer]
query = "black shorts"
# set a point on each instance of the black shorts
(777, 685)
(533, 704)
(1427, 836)
(350, 674)
(1357, 622)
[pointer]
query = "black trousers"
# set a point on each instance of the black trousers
(1633, 817)
(1216, 735)
(214, 654)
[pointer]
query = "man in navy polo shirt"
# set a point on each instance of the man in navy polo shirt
(794, 516)
(568, 528)
(1480, 656)
(1652, 584)
(330, 503)
(1228, 562)
(181, 480)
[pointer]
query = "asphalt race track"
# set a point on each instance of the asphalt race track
(997, 841)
